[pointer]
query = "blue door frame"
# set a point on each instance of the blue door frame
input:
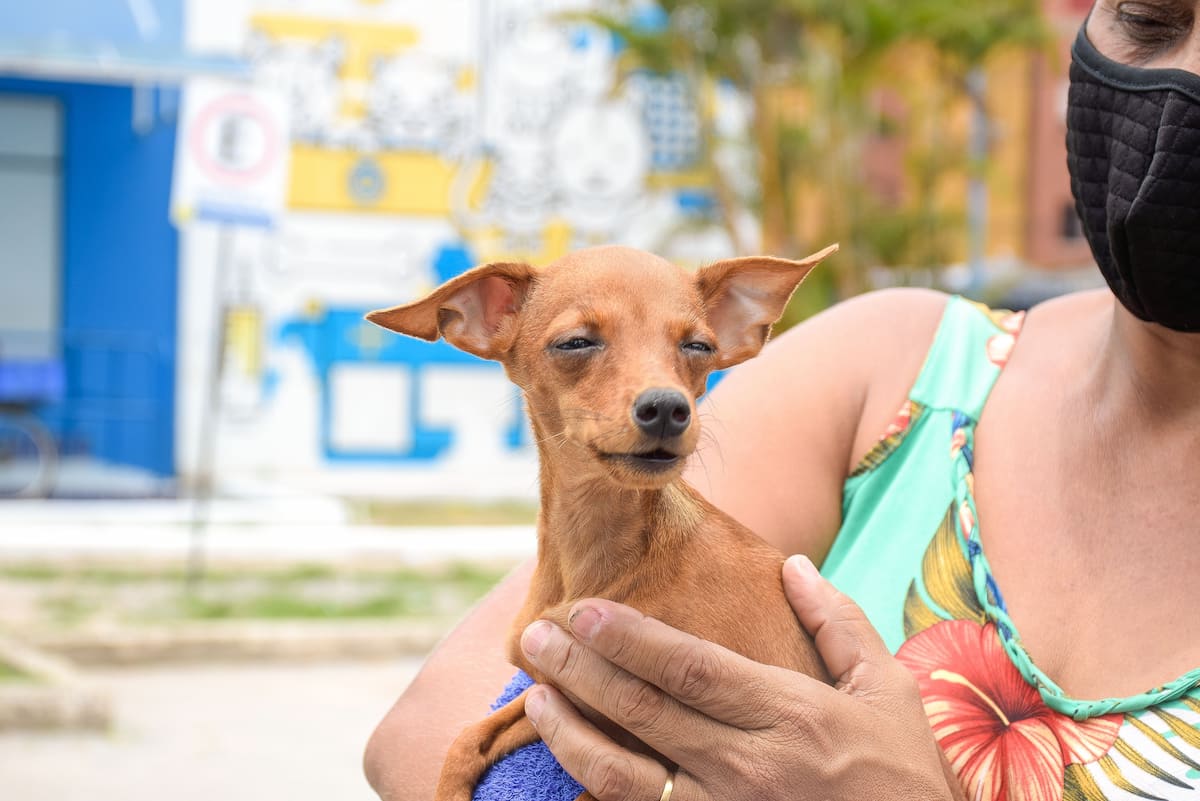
(120, 259)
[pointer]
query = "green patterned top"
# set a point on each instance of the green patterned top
(909, 552)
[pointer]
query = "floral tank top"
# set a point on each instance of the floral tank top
(909, 552)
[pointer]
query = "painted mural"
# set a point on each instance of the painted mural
(426, 138)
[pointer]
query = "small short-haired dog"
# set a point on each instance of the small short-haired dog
(612, 347)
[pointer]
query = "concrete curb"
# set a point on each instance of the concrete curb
(55, 697)
(246, 641)
(241, 543)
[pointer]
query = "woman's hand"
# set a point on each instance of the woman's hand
(735, 728)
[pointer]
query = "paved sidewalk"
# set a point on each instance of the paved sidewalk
(229, 731)
(202, 733)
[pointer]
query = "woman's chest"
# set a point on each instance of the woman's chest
(1096, 552)
(1024, 616)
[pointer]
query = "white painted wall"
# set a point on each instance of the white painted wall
(541, 149)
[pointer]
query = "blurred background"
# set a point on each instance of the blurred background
(234, 516)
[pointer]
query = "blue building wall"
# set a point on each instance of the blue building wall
(119, 275)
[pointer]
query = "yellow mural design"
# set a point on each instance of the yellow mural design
(408, 183)
(492, 244)
(363, 40)
(244, 339)
(383, 125)
(341, 179)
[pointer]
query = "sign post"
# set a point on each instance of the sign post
(231, 169)
(231, 156)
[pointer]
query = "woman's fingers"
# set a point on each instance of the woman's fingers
(736, 728)
(851, 648)
(680, 734)
(609, 772)
(702, 676)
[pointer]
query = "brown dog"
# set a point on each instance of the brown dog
(612, 348)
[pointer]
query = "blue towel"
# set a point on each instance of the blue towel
(527, 774)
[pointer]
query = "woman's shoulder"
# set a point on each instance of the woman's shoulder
(858, 359)
(793, 423)
(883, 338)
(1063, 315)
(889, 335)
(787, 424)
(885, 315)
(875, 337)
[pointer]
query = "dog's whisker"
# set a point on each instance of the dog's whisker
(574, 415)
(612, 433)
(560, 438)
(557, 439)
(713, 445)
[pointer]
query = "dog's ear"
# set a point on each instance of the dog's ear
(475, 311)
(744, 297)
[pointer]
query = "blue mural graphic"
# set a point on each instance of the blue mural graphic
(340, 336)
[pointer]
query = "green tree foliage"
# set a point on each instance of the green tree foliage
(813, 69)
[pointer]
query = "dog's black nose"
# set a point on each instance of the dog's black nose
(662, 413)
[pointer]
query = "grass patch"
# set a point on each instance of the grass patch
(473, 578)
(31, 572)
(67, 610)
(10, 673)
(134, 575)
(462, 572)
(403, 593)
(444, 513)
(273, 606)
(310, 572)
(71, 597)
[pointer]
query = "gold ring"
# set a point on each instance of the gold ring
(669, 787)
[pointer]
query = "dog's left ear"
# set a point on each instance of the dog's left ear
(475, 311)
(744, 297)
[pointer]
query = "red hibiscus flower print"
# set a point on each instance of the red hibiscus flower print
(1001, 738)
(901, 422)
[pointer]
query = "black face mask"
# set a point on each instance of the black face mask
(1133, 151)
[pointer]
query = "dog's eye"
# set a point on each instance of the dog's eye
(575, 343)
(696, 346)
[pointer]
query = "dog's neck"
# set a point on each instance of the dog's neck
(592, 532)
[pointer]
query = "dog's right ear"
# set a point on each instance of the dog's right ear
(744, 297)
(475, 311)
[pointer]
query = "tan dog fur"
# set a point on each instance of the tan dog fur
(609, 526)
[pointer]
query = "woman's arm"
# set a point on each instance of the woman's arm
(456, 684)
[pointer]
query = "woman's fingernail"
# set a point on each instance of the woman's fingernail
(535, 636)
(534, 702)
(586, 622)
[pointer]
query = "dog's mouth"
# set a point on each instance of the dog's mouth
(654, 461)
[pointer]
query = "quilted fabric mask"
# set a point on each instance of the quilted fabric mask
(1133, 152)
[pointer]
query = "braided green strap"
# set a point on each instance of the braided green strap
(993, 606)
